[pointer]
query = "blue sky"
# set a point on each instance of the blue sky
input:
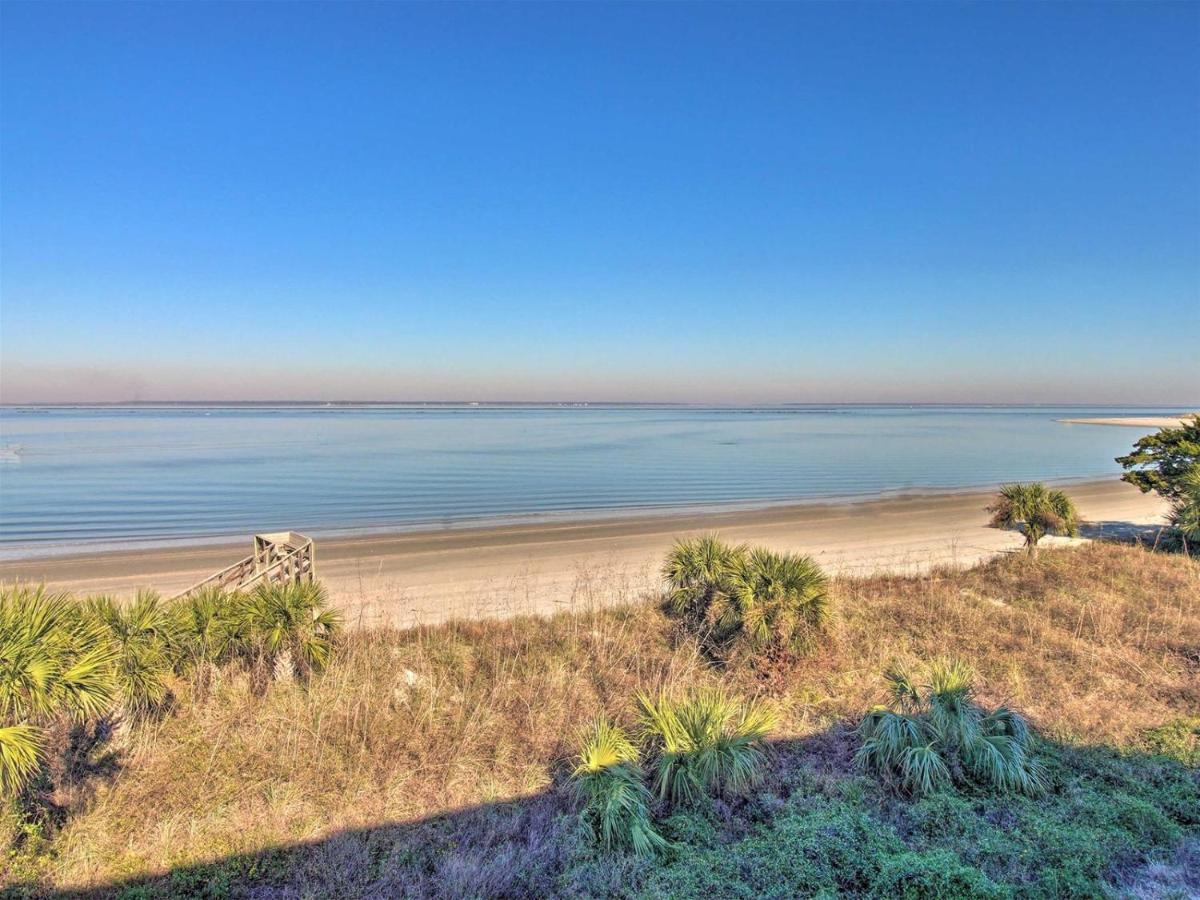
(994, 202)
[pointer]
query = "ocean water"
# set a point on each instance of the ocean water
(106, 476)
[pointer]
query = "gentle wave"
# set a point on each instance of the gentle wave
(114, 475)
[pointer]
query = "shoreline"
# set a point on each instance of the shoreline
(93, 547)
(431, 575)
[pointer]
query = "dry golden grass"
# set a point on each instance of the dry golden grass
(1095, 644)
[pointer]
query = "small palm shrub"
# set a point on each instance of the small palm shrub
(781, 600)
(145, 638)
(700, 577)
(1185, 512)
(55, 663)
(207, 627)
(935, 736)
(705, 744)
(1036, 510)
(287, 625)
(610, 785)
(738, 599)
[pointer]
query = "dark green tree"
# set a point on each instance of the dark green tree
(1164, 461)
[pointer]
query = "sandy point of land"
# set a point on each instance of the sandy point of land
(1133, 421)
(423, 577)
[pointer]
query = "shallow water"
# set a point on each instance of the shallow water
(111, 476)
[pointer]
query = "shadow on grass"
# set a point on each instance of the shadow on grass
(815, 825)
(82, 758)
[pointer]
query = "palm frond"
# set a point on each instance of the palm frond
(923, 771)
(20, 755)
(903, 688)
(603, 745)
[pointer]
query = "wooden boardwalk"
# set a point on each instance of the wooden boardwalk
(282, 557)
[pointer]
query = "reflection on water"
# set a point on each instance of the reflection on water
(114, 475)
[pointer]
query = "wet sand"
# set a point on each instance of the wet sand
(430, 576)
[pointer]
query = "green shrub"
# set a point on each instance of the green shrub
(610, 785)
(706, 743)
(735, 597)
(1185, 513)
(1036, 511)
(208, 628)
(936, 735)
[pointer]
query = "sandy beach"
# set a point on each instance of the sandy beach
(431, 576)
(1131, 421)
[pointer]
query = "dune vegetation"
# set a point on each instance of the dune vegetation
(620, 751)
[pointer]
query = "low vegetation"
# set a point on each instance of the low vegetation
(1036, 511)
(1168, 463)
(742, 601)
(611, 788)
(101, 663)
(937, 736)
(705, 745)
(513, 758)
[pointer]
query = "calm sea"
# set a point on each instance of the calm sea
(115, 476)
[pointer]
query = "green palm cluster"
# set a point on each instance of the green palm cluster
(83, 660)
(741, 598)
(703, 744)
(1036, 510)
(935, 736)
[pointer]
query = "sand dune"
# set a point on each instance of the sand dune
(536, 568)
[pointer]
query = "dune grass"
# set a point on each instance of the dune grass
(436, 761)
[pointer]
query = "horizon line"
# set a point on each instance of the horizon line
(795, 403)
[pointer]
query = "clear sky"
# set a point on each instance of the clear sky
(824, 202)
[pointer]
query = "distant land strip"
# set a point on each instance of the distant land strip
(1134, 421)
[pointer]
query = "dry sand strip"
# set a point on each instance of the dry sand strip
(431, 576)
(1133, 421)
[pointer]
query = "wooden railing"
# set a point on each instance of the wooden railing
(281, 558)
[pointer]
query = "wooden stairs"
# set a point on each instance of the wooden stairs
(283, 557)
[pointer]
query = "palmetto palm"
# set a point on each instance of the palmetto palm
(1036, 510)
(292, 621)
(211, 629)
(610, 785)
(936, 734)
(145, 635)
(780, 598)
(700, 575)
(706, 743)
(54, 661)
(734, 594)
